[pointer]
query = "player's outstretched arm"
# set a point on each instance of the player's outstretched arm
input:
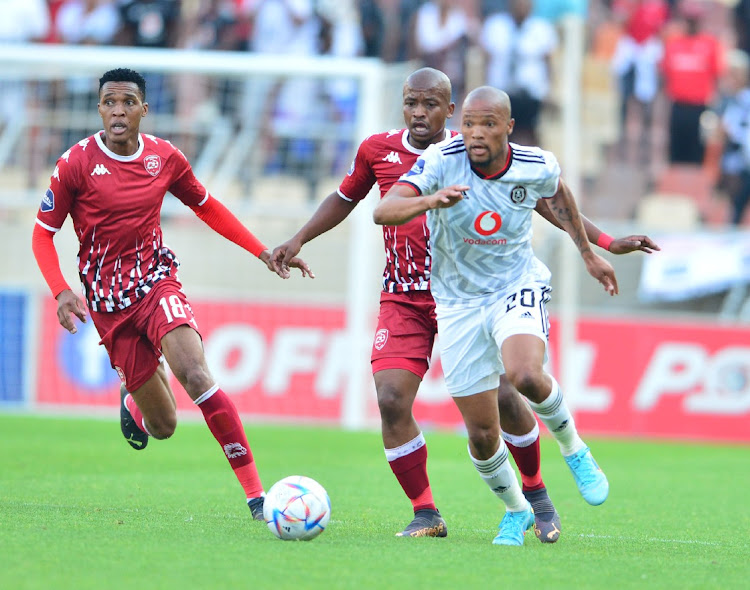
(222, 221)
(331, 212)
(564, 208)
(624, 245)
(401, 203)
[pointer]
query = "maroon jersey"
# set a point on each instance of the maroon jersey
(115, 204)
(383, 158)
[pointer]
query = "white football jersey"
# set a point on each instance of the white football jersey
(482, 245)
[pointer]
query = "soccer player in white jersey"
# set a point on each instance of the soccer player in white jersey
(479, 192)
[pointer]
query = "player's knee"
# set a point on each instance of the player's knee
(506, 397)
(392, 404)
(484, 440)
(196, 380)
(162, 427)
(528, 381)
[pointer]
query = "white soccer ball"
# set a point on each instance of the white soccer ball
(297, 508)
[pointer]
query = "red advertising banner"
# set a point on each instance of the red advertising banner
(630, 377)
(279, 361)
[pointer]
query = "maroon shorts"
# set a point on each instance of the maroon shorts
(406, 332)
(133, 336)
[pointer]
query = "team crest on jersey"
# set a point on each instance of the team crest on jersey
(152, 164)
(518, 194)
(48, 201)
(381, 338)
(418, 167)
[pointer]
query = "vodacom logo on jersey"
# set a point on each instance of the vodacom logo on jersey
(486, 224)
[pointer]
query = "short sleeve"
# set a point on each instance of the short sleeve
(424, 175)
(57, 200)
(186, 187)
(550, 179)
(360, 178)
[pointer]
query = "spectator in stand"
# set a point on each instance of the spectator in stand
(519, 48)
(735, 132)
(636, 61)
(285, 28)
(741, 20)
(23, 21)
(86, 22)
(393, 22)
(373, 27)
(54, 8)
(691, 67)
(346, 41)
(442, 30)
(205, 25)
(152, 23)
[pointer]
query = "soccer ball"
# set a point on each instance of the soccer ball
(297, 508)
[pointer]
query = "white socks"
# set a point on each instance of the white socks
(557, 418)
(498, 473)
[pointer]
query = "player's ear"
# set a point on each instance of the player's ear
(145, 109)
(511, 124)
(451, 108)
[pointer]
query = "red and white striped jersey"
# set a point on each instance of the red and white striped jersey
(382, 158)
(115, 204)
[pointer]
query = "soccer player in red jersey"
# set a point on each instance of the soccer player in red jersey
(112, 184)
(406, 325)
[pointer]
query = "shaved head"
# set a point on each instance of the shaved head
(427, 105)
(485, 125)
(429, 79)
(489, 95)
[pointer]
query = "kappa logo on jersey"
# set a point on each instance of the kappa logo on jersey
(381, 338)
(100, 170)
(392, 132)
(518, 194)
(121, 374)
(393, 158)
(56, 173)
(83, 143)
(487, 223)
(48, 201)
(418, 167)
(152, 164)
(351, 169)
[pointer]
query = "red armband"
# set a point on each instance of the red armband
(223, 222)
(43, 246)
(604, 241)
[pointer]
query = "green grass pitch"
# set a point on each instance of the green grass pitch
(80, 509)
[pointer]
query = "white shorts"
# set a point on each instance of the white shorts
(471, 338)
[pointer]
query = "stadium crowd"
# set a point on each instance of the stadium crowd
(677, 68)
